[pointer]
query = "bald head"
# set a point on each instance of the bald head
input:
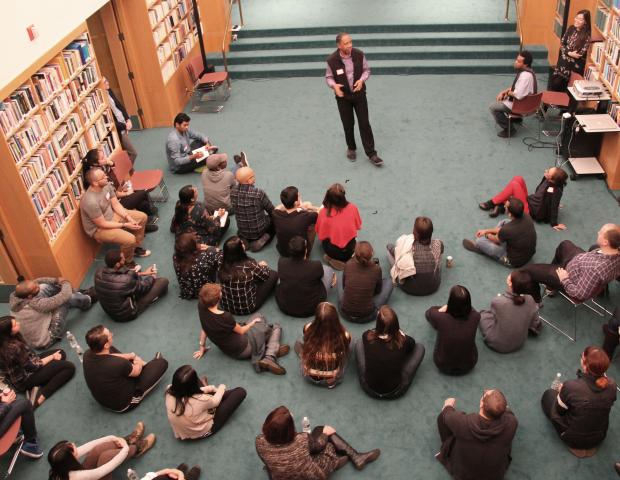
(26, 288)
(609, 236)
(245, 175)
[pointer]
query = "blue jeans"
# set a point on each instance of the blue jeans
(378, 300)
(59, 317)
(493, 250)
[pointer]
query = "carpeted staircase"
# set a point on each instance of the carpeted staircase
(485, 48)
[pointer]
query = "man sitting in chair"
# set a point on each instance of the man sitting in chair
(578, 273)
(523, 85)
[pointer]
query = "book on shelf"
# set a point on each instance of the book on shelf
(598, 52)
(47, 81)
(614, 111)
(613, 51)
(16, 107)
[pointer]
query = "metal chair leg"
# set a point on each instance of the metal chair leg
(18, 446)
(559, 330)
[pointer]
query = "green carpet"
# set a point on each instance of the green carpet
(442, 157)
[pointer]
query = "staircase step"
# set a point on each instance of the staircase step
(363, 29)
(379, 53)
(370, 40)
(379, 67)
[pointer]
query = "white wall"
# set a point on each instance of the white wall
(54, 19)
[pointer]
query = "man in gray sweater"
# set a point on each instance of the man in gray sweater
(41, 306)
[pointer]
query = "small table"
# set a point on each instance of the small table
(602, 99)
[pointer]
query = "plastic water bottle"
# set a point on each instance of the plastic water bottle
(75, 346)
(132, 475)
(557, 382)
(305, 425)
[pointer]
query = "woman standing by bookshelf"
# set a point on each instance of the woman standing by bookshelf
(573, 52)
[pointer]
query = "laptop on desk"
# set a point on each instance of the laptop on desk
(597, 123)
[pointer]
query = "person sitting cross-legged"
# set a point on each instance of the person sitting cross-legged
(40, 375)
(195, 264)
(253, 210)
(196, 409)
(416, 259)
(107, 221)
(41, 306)
(288, 455)
(217, 182)
(246, 283)
(324, 352)
(512, 315)
(97, 459)
(512, 242)
(118, 381)
(255, 340)
(361, 288)
(477, 446)
(387, 358)
(302, 283)
(580, 274)
(123, 293)
(293, 218)
(579, 411)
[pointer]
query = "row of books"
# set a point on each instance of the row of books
(613, 51)
(601, 19)
(48, 189)
(108, 144)
(178, 35)
(38, 165)
(24, 141)
(614, 111)
(171, 22)
(99, 130)
(157, 13)
(57, 216)
(82, 46)
(615, 27)
(610, 73)
(16, 107)
(66, 132)
(183, 50)
(61, 105)
(91, 104)
(163, 52)
(612, 3)
(598, 52)
(591, 73)
(167, 70)
(47, 82)
(86, 79)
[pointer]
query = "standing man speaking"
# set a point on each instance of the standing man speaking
(347, 72)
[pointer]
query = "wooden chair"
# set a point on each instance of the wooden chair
(527, 106)
(10, 438)
(206, 86)
(551, 99)
(589, 303)
(147, 180)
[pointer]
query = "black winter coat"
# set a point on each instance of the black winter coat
(118, 290)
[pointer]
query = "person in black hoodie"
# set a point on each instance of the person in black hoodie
(477, 446)
(123, 293)
(543, 205)
(580, 410)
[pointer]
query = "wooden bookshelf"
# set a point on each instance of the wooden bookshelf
(604, 65)
(50, 117)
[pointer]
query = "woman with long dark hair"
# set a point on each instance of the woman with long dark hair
(512, 315)
(129, 198)
(579, 411)
(97, 459)
(456, 324)
(325, 349)
(304, 456)
(196, 409)
(361, 288)
(195, 264)
(387, 358)
(337, 226)
(573, 51)
(246, 283)
(191, 215)
(41, 374)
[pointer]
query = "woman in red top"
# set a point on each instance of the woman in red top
(337, 226)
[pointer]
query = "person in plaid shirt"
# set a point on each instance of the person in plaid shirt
(253, 211)
(580, 274)
(246, 283)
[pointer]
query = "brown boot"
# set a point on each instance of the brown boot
(145, 444)
(283, 350)
(360, 460)
(134, 437)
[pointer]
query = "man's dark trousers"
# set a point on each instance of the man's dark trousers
(346, 106)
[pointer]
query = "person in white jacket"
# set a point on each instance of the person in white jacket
(179, 473)
(97, 459)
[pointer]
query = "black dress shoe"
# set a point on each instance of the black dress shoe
(496, 211)
(470, 245)
(150, 228)
(488, 205)
(505, 134)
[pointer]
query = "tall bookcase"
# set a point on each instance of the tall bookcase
(604, 65)
(50, 117)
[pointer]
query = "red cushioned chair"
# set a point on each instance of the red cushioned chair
(527, 106)
(147, 180)
(204, 92)
(10, 438)
(551, 99)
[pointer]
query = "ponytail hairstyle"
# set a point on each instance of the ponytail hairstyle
(596, 362)
(363, 253)
(521, 281)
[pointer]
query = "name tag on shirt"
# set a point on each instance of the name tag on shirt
(550, 190)
(340, 71)
(107, 196)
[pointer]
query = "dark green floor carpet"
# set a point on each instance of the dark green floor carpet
(442, 157)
